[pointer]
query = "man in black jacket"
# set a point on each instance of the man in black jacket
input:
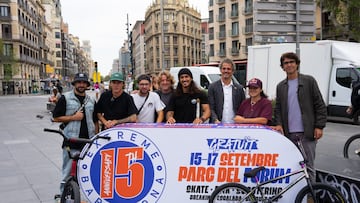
(300, 111)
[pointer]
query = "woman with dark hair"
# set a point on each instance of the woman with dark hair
(188, 104)
(256, 109)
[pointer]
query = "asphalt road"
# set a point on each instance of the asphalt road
(30, 158)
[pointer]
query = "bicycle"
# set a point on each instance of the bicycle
(352, 147)
(236, 192)
(71, 192)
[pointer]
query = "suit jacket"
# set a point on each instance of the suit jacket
(216, 99)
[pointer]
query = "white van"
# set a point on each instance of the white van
(203, 76)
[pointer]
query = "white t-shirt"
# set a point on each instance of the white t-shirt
(152, 105)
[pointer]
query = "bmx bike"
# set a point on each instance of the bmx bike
(352, 147)
(313, 192)
(71, 192)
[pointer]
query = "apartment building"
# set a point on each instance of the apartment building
(24, 52)
(236, 24)
(138, 59)
(178, 41)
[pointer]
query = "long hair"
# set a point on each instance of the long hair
(168, 76)
(192, 90)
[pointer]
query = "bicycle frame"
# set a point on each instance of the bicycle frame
(304, 170)
(259, 185)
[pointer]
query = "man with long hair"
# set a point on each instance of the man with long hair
(188, 104)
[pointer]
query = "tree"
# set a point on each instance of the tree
(344, 15)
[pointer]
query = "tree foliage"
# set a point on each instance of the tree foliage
(344, 16)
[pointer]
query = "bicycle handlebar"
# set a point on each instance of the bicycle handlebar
(75, 139)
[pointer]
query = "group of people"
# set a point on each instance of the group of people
(299, 111)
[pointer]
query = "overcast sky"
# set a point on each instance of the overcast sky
(103, 22)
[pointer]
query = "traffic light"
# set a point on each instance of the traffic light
(96, 67)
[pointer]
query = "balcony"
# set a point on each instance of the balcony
(220, 1)
(221, 17)
(222, 35)
(247, 11)
(234, 14)
(248, 29)
(234, 33)
(222, 53)
(234, 51)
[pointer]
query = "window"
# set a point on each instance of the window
(6, 30)
(58, 45)
(58, 54)
(235, 29)
(345, 76)
(234, 10)
(211, 16)
(8, 49)
(57, 35)
(4, 11)
(204, 82)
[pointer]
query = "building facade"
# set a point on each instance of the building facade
(178, 41)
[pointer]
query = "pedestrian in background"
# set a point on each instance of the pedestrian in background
(300, 111)
(116, 106)
(188, 104)
(75, 109)
(154, 83)
(355, 100)
(147, 102)
(166, 89)
(257, 109)
(225, 96)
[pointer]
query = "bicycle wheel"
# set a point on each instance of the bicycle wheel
(71, 193)
(352, 147)
(231, 192)
(324, 194)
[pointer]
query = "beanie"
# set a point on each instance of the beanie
(185, 71)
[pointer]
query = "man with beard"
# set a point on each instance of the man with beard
(188, 104)
(148, 103)
(75, 110)
(166, 89)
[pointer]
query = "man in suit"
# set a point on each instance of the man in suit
(225, 96)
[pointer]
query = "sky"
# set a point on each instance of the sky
(103, 22)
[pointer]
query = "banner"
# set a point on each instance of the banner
(184, 162)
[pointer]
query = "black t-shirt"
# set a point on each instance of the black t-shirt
(184, 106)
(60, 110)
(115, 108)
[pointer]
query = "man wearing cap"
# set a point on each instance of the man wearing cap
(75, 110)
(147, 102)
(257, 109)
(116, 106)
(188, 104)
(225, 96)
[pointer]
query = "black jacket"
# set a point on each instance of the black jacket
(312, 105)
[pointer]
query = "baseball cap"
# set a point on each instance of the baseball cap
(117, 77)
(80, 77)
(255, 83)
(185, 71)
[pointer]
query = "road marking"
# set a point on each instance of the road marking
(10, 142)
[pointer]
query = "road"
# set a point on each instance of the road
(30, 159)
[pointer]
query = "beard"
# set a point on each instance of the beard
(80, 89)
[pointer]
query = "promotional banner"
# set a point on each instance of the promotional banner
(184, 162)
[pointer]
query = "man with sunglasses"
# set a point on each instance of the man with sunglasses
(300, 111)
(116, 106)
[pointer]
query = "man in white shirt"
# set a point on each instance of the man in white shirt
(225, 96)
(149, 105)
